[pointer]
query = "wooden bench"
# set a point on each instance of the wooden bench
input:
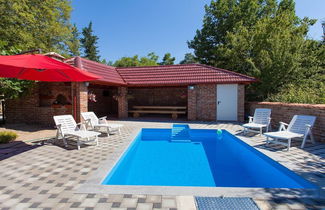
(174, 110)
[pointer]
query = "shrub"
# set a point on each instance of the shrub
(308, 94)
(7, 136)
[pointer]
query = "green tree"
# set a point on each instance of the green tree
(189, 58)
(149, 60)
(89, 43)
(12, 88)
(167, 59)
(109, 63)
(73, 43)
(261, 38)
(31, 24)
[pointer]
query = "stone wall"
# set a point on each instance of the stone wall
(285, 111)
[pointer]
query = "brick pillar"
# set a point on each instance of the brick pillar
(191, 104)
(80, 94)
(122, 102)
(80, 97)
(241, 103)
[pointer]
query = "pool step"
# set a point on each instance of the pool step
(180, 133)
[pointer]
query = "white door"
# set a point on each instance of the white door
(227, 102)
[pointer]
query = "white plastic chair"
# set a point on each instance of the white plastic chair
(299, 127)
(67, 127)
(95, 123)
(261, 119)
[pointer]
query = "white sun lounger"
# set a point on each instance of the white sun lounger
(67, 127)
(95, 123)
(299, 127)
(261, 119)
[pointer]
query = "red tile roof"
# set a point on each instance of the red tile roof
(108, 73)
(168, 75)
(180, 75)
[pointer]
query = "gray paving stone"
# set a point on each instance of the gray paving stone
(157, 205)
(75, 204)
(116, 204)
(127, 196)
(103, 200)
(64, 200)
(25, 200)
(53, 196)
(141, 200)
(90, 196)
(35, 205)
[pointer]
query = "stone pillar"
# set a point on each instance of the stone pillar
(191, 103)
(122, 102)
(241, 103)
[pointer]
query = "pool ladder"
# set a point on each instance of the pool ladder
(180, 133)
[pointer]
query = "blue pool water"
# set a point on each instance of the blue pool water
(207, 160)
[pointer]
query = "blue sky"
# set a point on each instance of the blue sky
(129, 27)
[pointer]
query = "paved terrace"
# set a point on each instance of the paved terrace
(48, 176)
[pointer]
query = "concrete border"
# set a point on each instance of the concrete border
(93, 184)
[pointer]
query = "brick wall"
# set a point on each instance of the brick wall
(191, 104)
(202, 99)
(81, 99)
(206, 102)
(285, 111)
(37, 107)
(201, 103)
(157, 96)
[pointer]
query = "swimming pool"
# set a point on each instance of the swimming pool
(207, 160)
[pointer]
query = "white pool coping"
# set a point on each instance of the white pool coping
(94, 184)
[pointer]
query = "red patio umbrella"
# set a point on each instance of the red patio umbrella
(41, 68)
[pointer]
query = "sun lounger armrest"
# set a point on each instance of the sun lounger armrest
(103, 118)
(283, 126)
(250, 119)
